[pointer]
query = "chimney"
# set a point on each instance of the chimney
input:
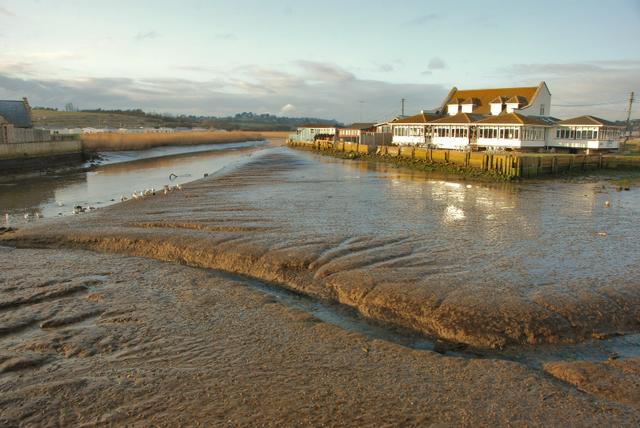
(27, 107)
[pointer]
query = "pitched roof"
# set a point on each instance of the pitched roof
(422, 117)
(485, 97)
(16, 113)
(360, 126)
(587, 120)
(512, 119)
(460, 118)
(517, 99)
(318, 125)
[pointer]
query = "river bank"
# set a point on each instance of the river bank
(503, 166)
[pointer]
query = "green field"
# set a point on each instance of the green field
(95, 120)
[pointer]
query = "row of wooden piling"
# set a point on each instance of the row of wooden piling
(508, 165)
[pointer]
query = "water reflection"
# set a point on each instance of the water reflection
(56, 195)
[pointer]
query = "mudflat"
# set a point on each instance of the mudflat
(99, 339)
(144, 312)
(483, 266)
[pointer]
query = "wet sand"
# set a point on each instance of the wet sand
(106, 337)
(98, 339)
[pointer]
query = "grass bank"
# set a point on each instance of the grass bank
(143, 141)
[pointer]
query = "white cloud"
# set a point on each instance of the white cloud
(287, 109)
(6, 12)
(308, 88)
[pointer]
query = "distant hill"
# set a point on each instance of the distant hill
(137, 118)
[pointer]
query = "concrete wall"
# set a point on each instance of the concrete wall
(39, 150)
(11, 135)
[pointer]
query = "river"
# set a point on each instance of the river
(116, 174)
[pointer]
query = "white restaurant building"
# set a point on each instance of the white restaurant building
(503, 119)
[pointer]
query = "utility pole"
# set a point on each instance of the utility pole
(628, 128)
(403, 100)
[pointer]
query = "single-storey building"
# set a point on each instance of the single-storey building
(454, 132)
(312, 132)
(513, 131)
(354, 132)
(16, 124)
(587, 133)
(413, 130)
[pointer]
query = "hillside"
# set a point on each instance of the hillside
(82, 119)
(138, 118)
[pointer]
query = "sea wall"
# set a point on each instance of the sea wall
(507, 165)
(18, 156)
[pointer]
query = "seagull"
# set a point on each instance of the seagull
(123, 198)
(179, 187)
(60, 204)
(607, 204)
(27, 216)
(38, 215)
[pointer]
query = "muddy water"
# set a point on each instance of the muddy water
(486, 265)
(117, 174)
(536, 234)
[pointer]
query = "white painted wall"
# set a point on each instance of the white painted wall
(451, 142)
(496, 109)
(511, 107)
(511, 143)
(408, 140)
(542, 99)
(452, 109)
(467, 108)
(586, 144)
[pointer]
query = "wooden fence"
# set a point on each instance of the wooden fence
(509, 165)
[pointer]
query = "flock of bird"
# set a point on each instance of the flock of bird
(79, 209)
(151, 192)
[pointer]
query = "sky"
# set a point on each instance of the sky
(345, 60)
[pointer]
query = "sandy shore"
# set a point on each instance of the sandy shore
(95, 339)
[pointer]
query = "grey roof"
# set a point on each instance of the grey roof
(16, 113)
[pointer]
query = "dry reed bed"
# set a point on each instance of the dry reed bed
(142, 141)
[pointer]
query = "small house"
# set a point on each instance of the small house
(353, 133)
(312, 132)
